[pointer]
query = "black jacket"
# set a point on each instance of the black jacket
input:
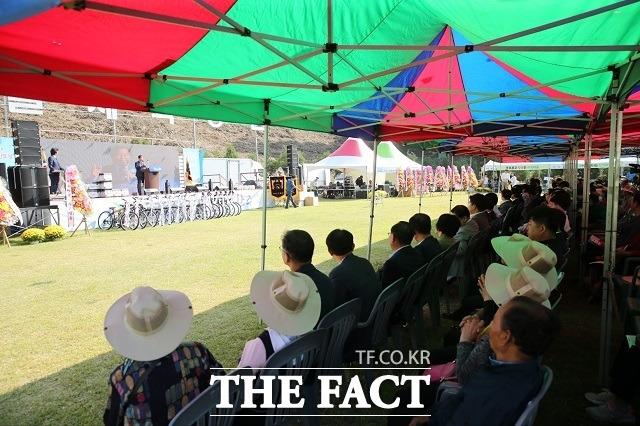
(355, 278)
(401, 265)
(325, 288)
(428, 249)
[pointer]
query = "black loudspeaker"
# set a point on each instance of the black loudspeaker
(3, 171)
(292, 157)
(26, 142)
(29, 186)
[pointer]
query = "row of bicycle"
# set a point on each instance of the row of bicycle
(165, 209)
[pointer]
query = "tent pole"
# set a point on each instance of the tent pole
(421, 186)
(585, 193)
(610, 241)
(451, 185)
(264, 196)
(373, 195)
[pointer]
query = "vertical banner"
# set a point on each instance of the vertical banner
(193, 159)
(7, 155)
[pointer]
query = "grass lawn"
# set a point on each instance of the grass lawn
(55, 360)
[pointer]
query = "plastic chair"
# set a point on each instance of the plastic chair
(429, 295)
(375, 329)
(203, 409)
(528, 416)
(404, 311)
(339, 324)
(296, 359)
(441, 280)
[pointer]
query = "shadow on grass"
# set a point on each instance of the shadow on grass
(77, 395)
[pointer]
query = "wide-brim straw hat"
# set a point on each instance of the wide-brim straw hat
(504, 283)
(537, 256)
(147, 324)
(288, 302)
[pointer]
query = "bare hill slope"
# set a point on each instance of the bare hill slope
(73, 122)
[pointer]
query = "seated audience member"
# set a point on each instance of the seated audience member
(477, 209)
(447, 227)
(297, 252)
(561, 200)
(543, 224)
(427, 246)
(404, 260)
(492, 209)
(354, 277)
(147, 327)
(472, 352)
(506, 201)
(273, 294)
(631, 228)
(597, 213)
(521, 331)
(614, 405)
(468, 229)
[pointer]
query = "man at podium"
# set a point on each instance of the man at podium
(140, 168)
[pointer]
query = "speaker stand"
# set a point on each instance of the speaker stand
(86, 227)
(5, 239)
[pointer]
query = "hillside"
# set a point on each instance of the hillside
(73, 122)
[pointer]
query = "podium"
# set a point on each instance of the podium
(151, 180)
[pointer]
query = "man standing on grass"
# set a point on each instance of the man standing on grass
(290, 191)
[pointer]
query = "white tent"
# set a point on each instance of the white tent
(390, 159)
(554, 165)
(352, 154)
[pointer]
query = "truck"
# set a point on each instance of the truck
(240, 171)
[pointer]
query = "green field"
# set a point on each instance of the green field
(55, 360)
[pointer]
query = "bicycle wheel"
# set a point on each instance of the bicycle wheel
(105, 220)
(143, 219)
(217, 211)
(134, 221)
(153, 217)
(238, 208)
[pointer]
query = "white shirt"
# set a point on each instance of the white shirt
(514, 180)
(505, 176)
(254, 354)
(395, 251)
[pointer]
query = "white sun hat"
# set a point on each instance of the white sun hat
(147, 324)
(498, 242)
(288, 302)
(537, 256)
(504, 283)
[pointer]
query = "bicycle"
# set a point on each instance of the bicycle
(119, 216)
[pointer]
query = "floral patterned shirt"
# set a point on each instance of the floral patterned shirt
(176, 380)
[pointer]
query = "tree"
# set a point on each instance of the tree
(231, 152)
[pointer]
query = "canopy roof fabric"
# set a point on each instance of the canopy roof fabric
(400, 70)
(390, 159)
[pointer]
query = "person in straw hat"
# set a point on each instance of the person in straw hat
(289, 303)
(161, 373)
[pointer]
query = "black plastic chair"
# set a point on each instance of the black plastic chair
(430, 296)
(339, 324)
(441, 283)
(203, 409)
(403, 313)
(296, 359)
(374, 331)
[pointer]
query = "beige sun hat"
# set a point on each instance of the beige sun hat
(537, 256)
(288, 302)
(148, 324)
(504, 283)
